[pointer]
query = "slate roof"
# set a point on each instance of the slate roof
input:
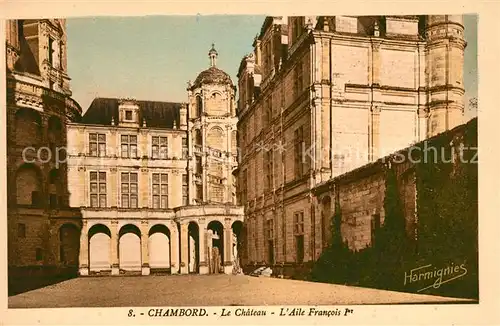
(212, 75)
(157, 114)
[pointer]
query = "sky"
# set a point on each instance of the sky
(153, 57)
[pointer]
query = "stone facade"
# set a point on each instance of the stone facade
(42, 228)
(322, 96)
(154, 182)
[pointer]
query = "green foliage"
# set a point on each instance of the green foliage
(447, 206)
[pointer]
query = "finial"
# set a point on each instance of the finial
(212, 54)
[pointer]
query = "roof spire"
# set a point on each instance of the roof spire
(212, 54)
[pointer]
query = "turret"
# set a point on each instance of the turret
(445, 63)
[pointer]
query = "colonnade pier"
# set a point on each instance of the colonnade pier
(204, 239)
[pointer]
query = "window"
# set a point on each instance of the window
(199, 167)
(97, 144)
(21, 230)
(199, 106)
(160, 190)
(184, 147)
(51, 51)
(298, 221)
(129, 189)
(159, 147)
(128, 115)
(185, 190)
(268, 169)
(298, 82)
(38, 254)
(97, 189)
(199, 192)
(270, 229)
(298, 154)
(129, 145)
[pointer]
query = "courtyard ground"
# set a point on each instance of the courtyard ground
(205, 290)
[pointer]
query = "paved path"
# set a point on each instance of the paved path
(205, 290)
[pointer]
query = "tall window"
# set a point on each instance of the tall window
(199, 167)
(160, 190)
(270, 241)
(184, 190)
(268, 169)
(184, 147)
(129, 189)
(97, 144)
(129, 146)
(51, 51)
(159, 147)
(199, 192)
(298, 153)
(97, 189)
(298, 81)
(298, 219)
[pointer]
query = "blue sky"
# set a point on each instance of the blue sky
(153, 57)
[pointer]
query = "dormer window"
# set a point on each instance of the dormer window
(128, 115)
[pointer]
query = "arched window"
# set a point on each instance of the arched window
(199, 106)
(215, 138)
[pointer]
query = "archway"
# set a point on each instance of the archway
(326, 211)
(69, 244)
(237, 228)
(215, 248)
(193, 247)
(28, 127)
(29, 186)
(129, 248)
(99, 248)
(159, 247)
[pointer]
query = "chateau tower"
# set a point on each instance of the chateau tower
(212, 131)
(445, 60)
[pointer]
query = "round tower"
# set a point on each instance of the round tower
(445, 65)
(212, 132)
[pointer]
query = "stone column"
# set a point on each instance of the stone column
(144, 248)
(228, 247)
(174, 249)
(84, 250)
(115, 262)
(184, 249)
(202, 243)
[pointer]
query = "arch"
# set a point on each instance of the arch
(159, 247)
(69, 244)
(326, 211)
(28, 124)
(129, 248)
(215, 240)
(193, 247)
(29, 189)
(215, 138)
(99, 237)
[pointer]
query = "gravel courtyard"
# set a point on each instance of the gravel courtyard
(204, 290)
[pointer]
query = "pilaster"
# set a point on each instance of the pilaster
(115, 262)
(84, 250)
